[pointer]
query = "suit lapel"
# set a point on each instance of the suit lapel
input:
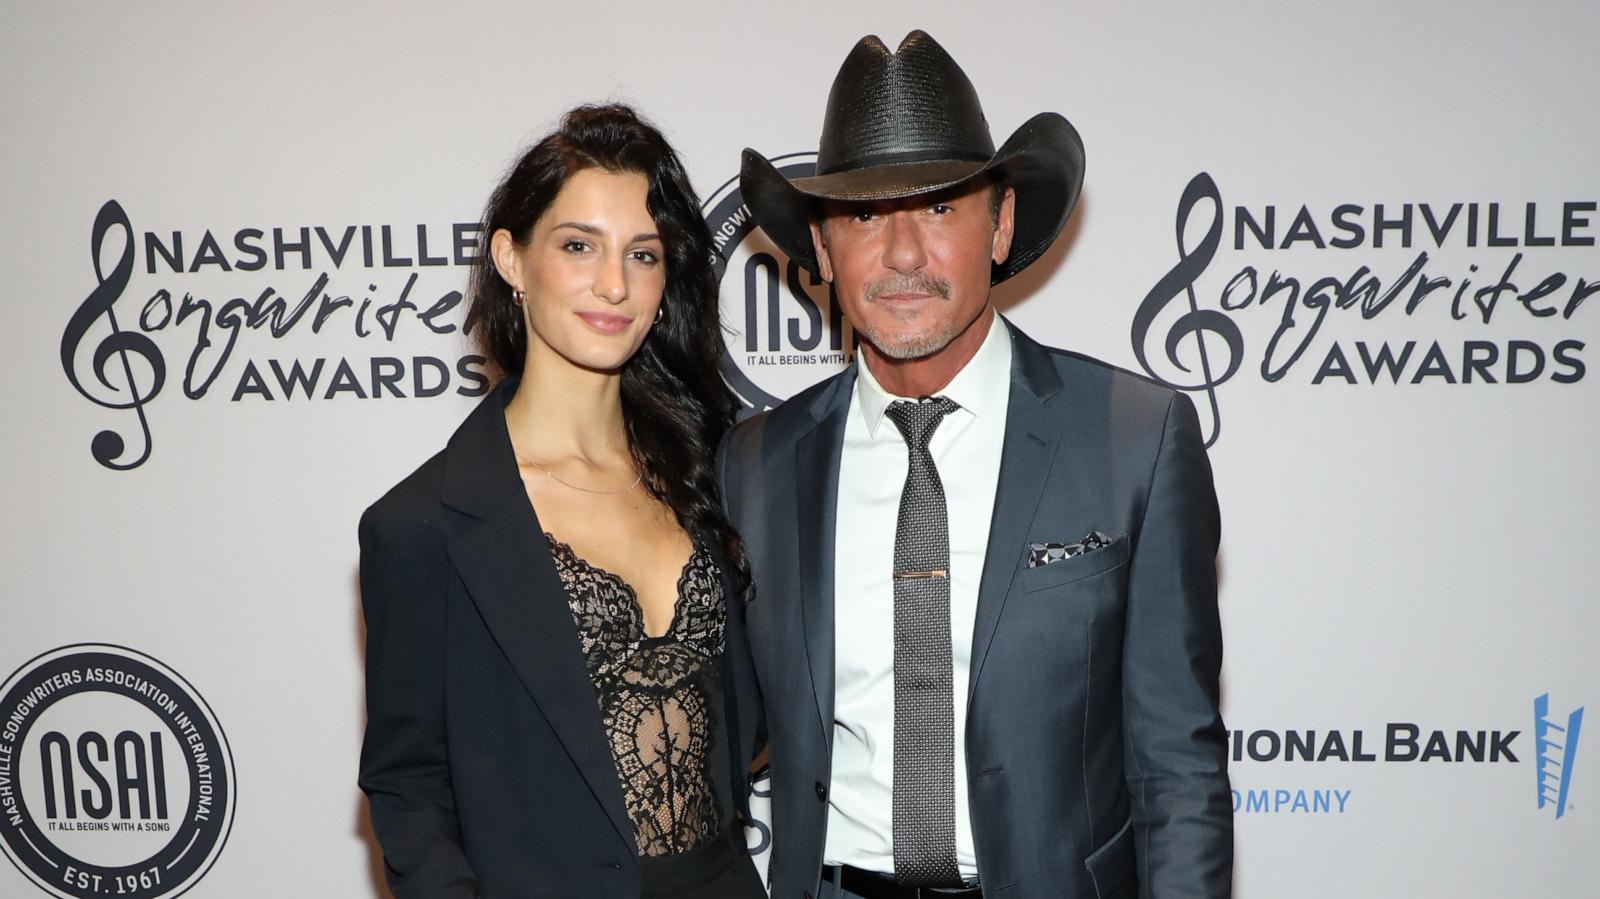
(506, 567)
(1033, 435)
(816, 504)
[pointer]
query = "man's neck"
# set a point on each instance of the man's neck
(929, 374)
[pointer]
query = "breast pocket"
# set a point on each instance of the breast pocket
(1078, 567)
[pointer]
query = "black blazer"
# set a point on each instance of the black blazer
(485, 763)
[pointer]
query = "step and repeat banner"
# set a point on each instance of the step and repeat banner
(1361, 236)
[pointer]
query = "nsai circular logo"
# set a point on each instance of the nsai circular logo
(115, 778)
(785, 332)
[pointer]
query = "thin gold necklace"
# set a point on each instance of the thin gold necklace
(638, 476)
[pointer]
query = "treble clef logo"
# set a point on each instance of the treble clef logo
(1196, 321)
(108, 446)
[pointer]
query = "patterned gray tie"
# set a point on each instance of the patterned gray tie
(924, 717)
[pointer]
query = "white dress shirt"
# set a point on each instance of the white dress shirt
(872, 471)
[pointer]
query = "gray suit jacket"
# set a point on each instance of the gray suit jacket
(1096, 755)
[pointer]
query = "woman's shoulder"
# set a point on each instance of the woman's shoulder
(411, 508)
(417, 501)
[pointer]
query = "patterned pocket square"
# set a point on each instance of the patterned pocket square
(1044, 553)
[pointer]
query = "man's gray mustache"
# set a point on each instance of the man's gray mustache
(937, 286)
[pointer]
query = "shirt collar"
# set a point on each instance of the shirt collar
(982, 386)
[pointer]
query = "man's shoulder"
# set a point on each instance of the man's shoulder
(784, 423)
(1086, 378)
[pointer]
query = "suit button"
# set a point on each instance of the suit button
(822, 792)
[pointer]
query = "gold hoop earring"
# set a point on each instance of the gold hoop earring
(517, 297)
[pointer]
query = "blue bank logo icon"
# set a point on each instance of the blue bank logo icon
(1555, 747)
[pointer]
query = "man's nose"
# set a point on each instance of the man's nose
(902, 249)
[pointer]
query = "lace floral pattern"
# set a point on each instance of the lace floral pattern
(655, 694)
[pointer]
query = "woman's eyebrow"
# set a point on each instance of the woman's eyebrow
(597, 231)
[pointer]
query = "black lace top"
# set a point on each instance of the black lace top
(659, 697)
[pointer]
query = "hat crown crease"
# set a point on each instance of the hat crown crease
(914, 105)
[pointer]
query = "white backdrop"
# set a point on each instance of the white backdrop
(1394, 553)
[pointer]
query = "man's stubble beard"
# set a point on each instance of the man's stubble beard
(903, 346)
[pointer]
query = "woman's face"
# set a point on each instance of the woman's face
(593, 270)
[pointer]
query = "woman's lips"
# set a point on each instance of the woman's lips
(606, 322)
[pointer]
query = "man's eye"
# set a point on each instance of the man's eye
(940, 208)
(863, 216)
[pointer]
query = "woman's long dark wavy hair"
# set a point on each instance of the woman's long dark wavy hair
(674, 402)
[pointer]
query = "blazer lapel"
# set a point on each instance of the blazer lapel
(506, 567)
(817, 487)
(1033, 434)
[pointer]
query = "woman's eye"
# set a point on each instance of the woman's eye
(648, 257)
(575, 246)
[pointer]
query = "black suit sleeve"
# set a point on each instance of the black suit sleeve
(404, 769)
(1175, 747)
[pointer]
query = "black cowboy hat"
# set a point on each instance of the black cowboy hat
(908, 122)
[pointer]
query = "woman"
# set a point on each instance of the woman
(559, 697)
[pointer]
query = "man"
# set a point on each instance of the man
(984, 615)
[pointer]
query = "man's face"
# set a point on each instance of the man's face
(913, 274)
